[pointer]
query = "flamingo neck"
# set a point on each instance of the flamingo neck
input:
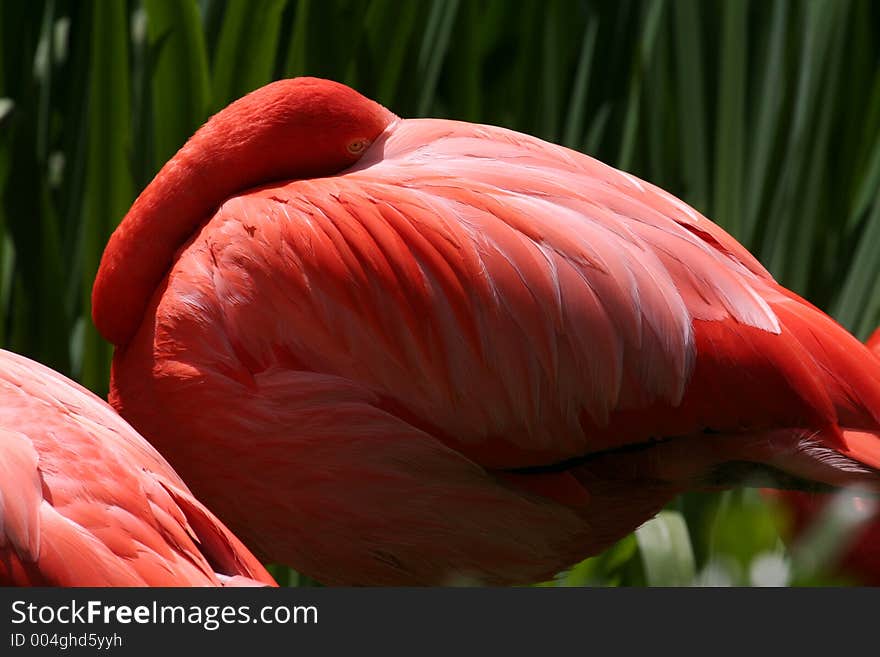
(290, 129)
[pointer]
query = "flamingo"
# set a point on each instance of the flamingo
(411, 351)
(86, 501)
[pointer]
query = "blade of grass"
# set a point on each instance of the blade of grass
(180, 77)
(7, 253)
(729, 151)
(870, 177)
(665, 548)
(860, 296)
(297, 50)
(606, 569)
(328, 51)
(857, 116)
(807, 228)
(435, 45)
(43, 67)
(31, 220)
(550, 73)
(477, 30)
(7, 275)
(741, 528)
(767, 113)
(389, 25)
(212, 22)
(648, 37)
(575, 121)
(691, 102)
(658, 146)
(108, 183)
(818, 23)
(142, 112)
(74, 147)
(246, 49)
(597, 130)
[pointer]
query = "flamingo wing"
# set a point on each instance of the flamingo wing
(85, 501)
(526, 303)
(451, 357)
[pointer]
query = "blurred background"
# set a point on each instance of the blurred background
(764, 115)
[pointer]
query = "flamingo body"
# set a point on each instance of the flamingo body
(85, 500)
(468, 353)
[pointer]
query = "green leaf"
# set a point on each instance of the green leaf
(297, 49)
(665, 547)
(435, 45)
(870, 180)
(648, 38)
(7, 271)
(388, 25)
(767, 111)
(108, 184)
(30, 218)
(859, 299)
(817, 47)
(692, 112)
(743, 528)
(576, 118)
(730, 151)
(246, 49)
(180, 77)
(609, 568)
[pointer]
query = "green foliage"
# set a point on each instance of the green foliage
(763, 115)
(665, 547)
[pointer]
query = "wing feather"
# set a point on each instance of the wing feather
(85, 501)
(20, 495)
(527, 302)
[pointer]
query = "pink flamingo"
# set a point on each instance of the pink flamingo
(85, 500)
(394, 351)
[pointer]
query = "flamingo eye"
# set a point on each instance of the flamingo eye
(358, 146)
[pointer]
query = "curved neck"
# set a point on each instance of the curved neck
(287, 130)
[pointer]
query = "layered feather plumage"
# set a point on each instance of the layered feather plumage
(86, 501)
(437, 362)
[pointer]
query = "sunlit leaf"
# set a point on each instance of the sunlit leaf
(665, 548)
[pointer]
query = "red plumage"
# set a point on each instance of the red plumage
(85, 500)
(463, 352)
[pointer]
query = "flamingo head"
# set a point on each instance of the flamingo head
(294, 128)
